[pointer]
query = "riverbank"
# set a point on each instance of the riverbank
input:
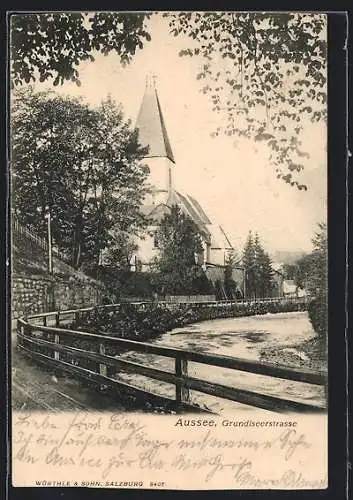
(310, 354)
(148, 321)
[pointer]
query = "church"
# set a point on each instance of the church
(164, 193)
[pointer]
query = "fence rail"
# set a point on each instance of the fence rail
(47, 344)
(41, 242)
(250, 300)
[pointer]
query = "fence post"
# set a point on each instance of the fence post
(44, 321)
(182, 394)
(57, 319)
(102, 367)
(21, 330)
(57, 341)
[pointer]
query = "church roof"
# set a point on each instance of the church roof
(151, 126)
(187, 204)
(214, 234)
(193, 208)
(155, 213)
(219, 239)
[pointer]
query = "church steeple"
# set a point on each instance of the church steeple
(151, 126)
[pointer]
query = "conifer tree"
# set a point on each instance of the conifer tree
(249, 265)
(258, 268)
(230, 285)
(179, 242)
(263, 270)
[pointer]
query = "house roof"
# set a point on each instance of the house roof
(151, 126)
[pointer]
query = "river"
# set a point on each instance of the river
(237, 337)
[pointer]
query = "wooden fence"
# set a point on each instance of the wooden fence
(194, 302)
(43, 343)
(24, 232)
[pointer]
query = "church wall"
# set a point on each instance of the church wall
(147, 251)
(161, 170)
(217, 256)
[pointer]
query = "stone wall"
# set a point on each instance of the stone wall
(33, 294)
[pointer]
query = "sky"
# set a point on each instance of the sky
(233, 180)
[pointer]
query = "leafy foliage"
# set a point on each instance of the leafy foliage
(81, 164)
(310, 273)
(312, 268)
(121, 249)
(52, 45)
(179, 242)
(259, 279)
(154, 319)
(314, 278)
(290, 272)
(265, 72)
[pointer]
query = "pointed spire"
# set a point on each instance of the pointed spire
(151, 81)
(154, 80)
(150, 123)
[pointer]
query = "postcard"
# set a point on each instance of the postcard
(169, 250)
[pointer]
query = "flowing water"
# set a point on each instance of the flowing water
(236, 337)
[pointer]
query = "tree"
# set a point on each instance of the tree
(121, 250)
(230, 285)
(259, 278)
(264, 279)
(312, 268)
(290, 272)
(50, 46)
(266, 72)
(249, 263)
(310, 273)
(117, 180)
(315, 281)
(82, 164)
(179, 242)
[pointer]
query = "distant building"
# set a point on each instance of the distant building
(290, 289)
(161, 162)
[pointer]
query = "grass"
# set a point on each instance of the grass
(314, 350)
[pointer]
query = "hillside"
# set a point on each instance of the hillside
(29, 256)
(34, 290)
(287, 256)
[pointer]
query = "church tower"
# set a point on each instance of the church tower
(160, 160)
(153, 134)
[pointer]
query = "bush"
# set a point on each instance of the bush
(317, 310)
(150, 320)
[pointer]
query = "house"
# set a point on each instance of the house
(290, 289)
